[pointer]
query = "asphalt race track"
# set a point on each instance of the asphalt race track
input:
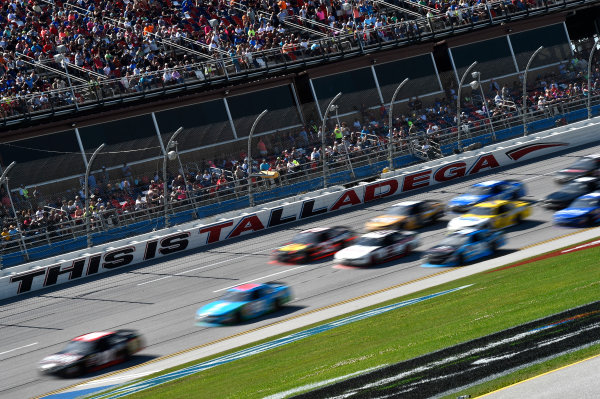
(160, 298)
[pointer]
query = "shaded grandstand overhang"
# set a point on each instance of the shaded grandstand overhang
(120, 111)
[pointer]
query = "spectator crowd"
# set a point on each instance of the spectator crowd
(141, 44)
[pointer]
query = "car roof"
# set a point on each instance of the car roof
(406, 203)
(487, 183)
(315, 230)
(585, 179)
(92, 336)
(245, 287)
(491, 204)
(466, 232)
(379, 233)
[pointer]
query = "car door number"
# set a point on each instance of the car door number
(256, 306)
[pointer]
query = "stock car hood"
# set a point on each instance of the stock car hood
(570, 213)
(467, 221)
(355, 252)
(59, 359)
(442, 250)
(219, 308)
(293, 247)
(467, 199)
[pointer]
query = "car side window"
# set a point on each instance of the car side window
(103, 344)
(255, 295)
(324, 236)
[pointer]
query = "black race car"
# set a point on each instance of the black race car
(570, 191)
(93, 351)
(314, 244)
(588, 165)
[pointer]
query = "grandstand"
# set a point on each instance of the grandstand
(81, 73)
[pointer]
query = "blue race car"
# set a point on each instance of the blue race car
(244, 302)
(463, 246)
(487, 191)
(584, 211)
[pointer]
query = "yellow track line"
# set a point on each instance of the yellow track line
(540, 375)
(244, 333)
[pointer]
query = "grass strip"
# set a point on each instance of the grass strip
(496, 301)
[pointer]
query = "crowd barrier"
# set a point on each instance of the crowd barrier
(218, 228)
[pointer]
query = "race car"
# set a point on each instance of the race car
(378, 246)
(93, 351)
(570, 191)
(588, 165)
(314, 244)
(487, 191)
(244, 302)
(463, 246)
(584, 211)
(492, 215)
(407, 215)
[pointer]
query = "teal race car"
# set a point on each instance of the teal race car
(246, 301)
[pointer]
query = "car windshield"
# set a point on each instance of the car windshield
(400, 210)
(235, 296)
(585, 203)
(575, 187)
(483, 211)
(455, 240)
(79, 347)
(479, 190)
(370, 241)
(306, 238)
(583, 163)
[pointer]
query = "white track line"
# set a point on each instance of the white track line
(260, 278)
(20, 347)
(197, 268)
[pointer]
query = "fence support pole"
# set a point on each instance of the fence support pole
(87, 195)
(525, 89)
(250, 195)
(391, 118)
(323, 138)
(460, 85)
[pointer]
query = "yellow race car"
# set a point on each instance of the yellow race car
(492, 215)
(407, 215)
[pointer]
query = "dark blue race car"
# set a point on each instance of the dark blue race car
(487, 191)
(463, 246)
(584, 211)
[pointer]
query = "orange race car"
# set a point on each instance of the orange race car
(408, 215)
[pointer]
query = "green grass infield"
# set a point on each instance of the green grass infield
(495, 302)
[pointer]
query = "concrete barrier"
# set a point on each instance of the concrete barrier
(116, 255)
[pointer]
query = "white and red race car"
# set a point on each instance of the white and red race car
(93, 351)
(378, 247)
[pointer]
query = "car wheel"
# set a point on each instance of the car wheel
(460, 260)
(277, 303)
(307, 257)
(75, 371)
(408, 248)
(493, 246)
(237, 319)
(373, 260)
(518, 218)
(589, 221)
